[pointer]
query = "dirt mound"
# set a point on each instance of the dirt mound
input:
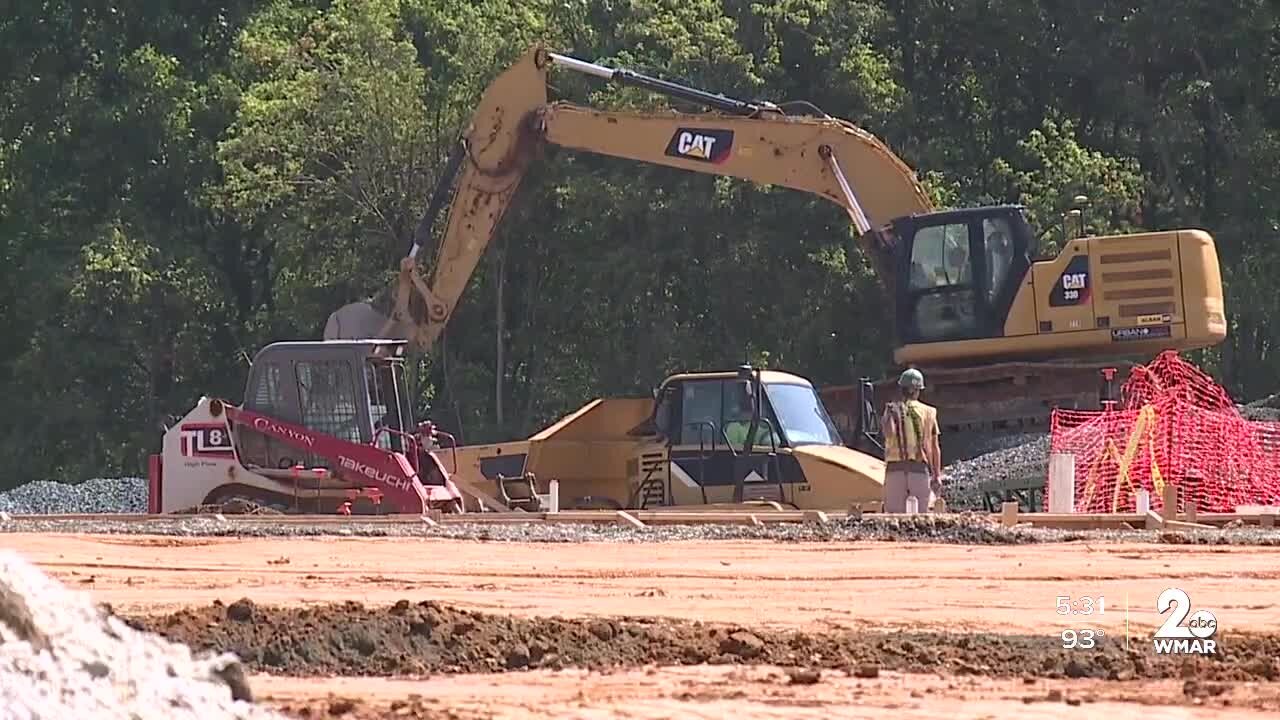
(426, 637)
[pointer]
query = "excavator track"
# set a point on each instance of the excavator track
(980, 405)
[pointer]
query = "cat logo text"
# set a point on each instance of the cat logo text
(703, 145)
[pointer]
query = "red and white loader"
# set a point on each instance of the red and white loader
(326, 427)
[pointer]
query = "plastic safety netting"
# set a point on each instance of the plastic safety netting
(1174, 426)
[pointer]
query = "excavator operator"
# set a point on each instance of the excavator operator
(956, 267)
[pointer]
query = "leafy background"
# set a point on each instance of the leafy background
(179, 187)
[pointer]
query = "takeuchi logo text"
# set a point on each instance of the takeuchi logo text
(381, 476)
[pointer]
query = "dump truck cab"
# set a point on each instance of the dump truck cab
(751, 435)
(718, 438)
(714, 410)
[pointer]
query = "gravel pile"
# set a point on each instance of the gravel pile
(62, 657)
(961, 529)
(1259, 413)
(958, 528)
(101, 495)
(1022, 462)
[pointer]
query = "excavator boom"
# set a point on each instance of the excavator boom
(758, 142)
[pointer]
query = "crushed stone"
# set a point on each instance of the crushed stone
(64, 657)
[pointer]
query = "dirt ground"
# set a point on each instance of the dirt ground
(814, 586)
(440, 616)
(764, 692)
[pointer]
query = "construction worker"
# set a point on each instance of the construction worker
(913, 458)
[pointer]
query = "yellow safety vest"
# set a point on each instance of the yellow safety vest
(907, 426)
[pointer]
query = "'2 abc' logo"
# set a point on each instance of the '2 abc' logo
(1196, 636)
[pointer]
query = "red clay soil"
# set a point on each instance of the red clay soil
(827, 612)
(765, 692)
(804, 586)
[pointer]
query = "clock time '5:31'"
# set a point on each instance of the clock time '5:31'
(1083, 605)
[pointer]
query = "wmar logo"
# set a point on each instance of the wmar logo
(1195, 637)
(703, 145)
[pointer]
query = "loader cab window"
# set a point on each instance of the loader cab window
(328, 398)
(268, 395)
(388, 401)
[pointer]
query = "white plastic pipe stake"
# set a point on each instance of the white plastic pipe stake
(1062, 483)
(1143, 500)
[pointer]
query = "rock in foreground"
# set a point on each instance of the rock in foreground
(63, 657)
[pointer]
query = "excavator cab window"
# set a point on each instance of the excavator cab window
(963, 268)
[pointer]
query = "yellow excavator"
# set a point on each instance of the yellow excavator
(1001, 335)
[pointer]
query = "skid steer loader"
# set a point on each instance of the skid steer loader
(325, 427)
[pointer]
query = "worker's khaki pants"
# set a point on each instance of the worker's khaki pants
(901, 481)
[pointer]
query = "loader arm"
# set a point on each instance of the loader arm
(390, 471)
(755, 141)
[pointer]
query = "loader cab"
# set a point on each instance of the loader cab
(344, 388)
(959, 271)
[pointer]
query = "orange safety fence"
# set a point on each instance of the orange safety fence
(1176, 426)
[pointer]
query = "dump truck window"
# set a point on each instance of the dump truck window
(800, 412)
(662, 414)
(701, 403)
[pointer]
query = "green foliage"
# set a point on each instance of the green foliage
(183, 183)
(1052, 168)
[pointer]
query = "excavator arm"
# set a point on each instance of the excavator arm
(1002, 336)
(755, 141)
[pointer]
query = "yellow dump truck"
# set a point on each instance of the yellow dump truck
(725, 438)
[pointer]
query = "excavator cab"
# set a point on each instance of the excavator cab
(960, 271)
(354, 390)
